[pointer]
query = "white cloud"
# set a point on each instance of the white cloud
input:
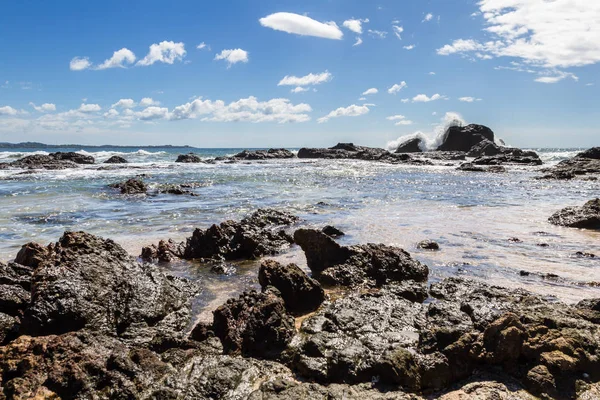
(397, 87)
(152, 113)
(355, 25)
(46, 107)
(409, 47)
(79, 63)
(307, 80)
(547, 34)
(301, 25)
(233, 56)
(428, 17)
(203, 46)
(377, 34)
(370, 91)
(398, 31)
(112, 113)
(468, 99)
(350, 111)
(8, 110)
(124, 103)
(400, 120)
(405, 100)
(358, 42)
(555, 76)
(299, 89)
(362, 99)
(432, 73)
(88, 108)
(148, 101)
(422, 98)
(166, 52)
(118, 59)
(589, 84)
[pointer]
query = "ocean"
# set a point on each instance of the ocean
(471, 215)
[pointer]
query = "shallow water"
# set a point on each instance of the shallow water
(471, 215)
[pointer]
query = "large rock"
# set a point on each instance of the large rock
(350, 151)
(585, 165)
(188, 158)
(40, 161)
(410, 146)
(131, 186)
(88, 282)
(463, 138)
(587, 216)
(369, 265)
(116, 160)
(263, 154)
(300, 293)
(77, 158)
(518, 158)
(15, 295)
(593, 153)
(484, 148)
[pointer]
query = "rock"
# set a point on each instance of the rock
(77, 158)
(410, 146)
(300, 293)
(459, 138)
(131, 186)
(428, 245)
(89, 282)
(177, 190)
(587, 216)
(188, 158)
(593, 153)
(263, 154)
(166, 251)
(344, 151)
(15, 295)
(368, 265)
(581, 166)
(443, 155)
(255, 325)
(582, 254)
(484, 148)
(332, 231)
(116, 160)
(508, 158)
(39, 161)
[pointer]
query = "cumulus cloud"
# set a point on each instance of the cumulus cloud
(166, 52)
(119, 59)
(46, 107)
(355, 25)
(398, 31)
(152, 113)
(124, 103)
(8, 110)
(307, 80)
(88, 108)
(301, 25)
(423, 98)
(397, 87)
(148, 101)
(370, 91)
(468, 99)
(80, 63)
(299, 89)
(233, 56)
(350, 111)
(399, 120)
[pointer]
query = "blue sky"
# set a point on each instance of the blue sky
(526, 68)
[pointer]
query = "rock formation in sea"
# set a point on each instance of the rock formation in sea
(585, 165)
(586, 216)
(116, 160)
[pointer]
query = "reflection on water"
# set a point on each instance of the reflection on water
(471, 215)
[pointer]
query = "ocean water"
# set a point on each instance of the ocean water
(471, 215)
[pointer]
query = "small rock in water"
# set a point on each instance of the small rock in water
(587, 216)
(116, 160)
(188, 158)
(428, 245)
(543, 245)
(223, 268)
(131, 186)
(584, 255)
(515, 240)
(332, 231)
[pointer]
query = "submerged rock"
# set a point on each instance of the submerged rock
(77, 158)
(263, 154)
(520, 158)
(369, 265)
(587, 216)
(463, 138)
(188, 158)
(116, 160)
(410, 146)
(470, 167)
(131, 186)
(428, 245)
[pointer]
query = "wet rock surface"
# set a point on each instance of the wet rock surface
(463, 138)
(131, 186)
(188, 158)
(116, 160)
(332, 231)
(353, 152)
(428, 245)
(470, 167)
(39, 161)
(519, 157)
(410, 146)
(585, 165)
(587, 216)
(263, 154)
(77, 158)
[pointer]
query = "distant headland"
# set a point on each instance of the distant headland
(37, 145)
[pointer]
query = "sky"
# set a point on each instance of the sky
(292, 73)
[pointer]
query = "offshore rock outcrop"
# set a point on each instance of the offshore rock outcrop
(463, 138)
(77, 158)
(116, 160)
(258, 235)
(189, 158)
(263, 154)
(586, 216)
(131, 186)
(410, 146)
(40, 161)
(585, 165)
(350, 151)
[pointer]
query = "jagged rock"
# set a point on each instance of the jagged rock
(463, 138)
(583, 164)
(178, 190)
(587, 216)
(89, 282)
(344, 151)
(509, 158)
(165, 251)
(368, 265)
(255, 325)
(444, 155)
(428, 245)
(131, 186)
(116, 160)
(469, 167)
(332, 231)
(263, 154)
(300, 293)
(188, 158)
(484, 148)
(410, 146)
(15, 295)
(39, 161)
(75, 157)
(593, 153)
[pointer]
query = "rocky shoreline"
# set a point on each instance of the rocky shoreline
(81, 319)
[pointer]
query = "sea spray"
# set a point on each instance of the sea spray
(430, 141)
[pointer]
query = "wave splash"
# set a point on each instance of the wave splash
(431, 140)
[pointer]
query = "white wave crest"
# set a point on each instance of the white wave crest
(431, 140)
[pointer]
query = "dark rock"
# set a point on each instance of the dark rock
(484, 148)
(428, 245)
(469, 167)
(255, 325)
(300, 293)
(264, 154)
(89, 282)
(580, 166)
(166, 251)
(515, 240)
(332, 231)
(188, 158)
(131, 186)
(593, 153)
(508, 158)
(443, 155)
(344, 151)
(74, 157)
(587, 216)
(38, 161)
(116, 160)
(463, 138)
(582, 254)
(177, 190)
(368, 265)
(410, 146)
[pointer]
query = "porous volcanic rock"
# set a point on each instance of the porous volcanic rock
(587, 216)
(131, 186)
(585, 165)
